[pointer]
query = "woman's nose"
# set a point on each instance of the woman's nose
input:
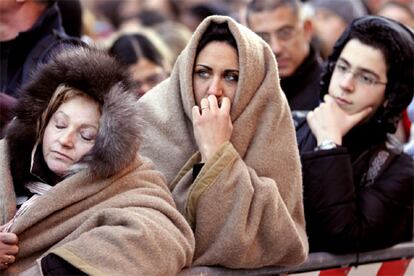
(67, 139)
(215, 87)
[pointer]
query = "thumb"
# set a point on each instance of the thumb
(359, 116)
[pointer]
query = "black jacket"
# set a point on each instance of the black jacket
(343, 212)
(19, 57)
(302, 88)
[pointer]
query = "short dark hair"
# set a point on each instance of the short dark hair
(396, 42)
(268, 5)
(130, 48)
(217, 32)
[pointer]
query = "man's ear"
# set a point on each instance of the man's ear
(308, 29)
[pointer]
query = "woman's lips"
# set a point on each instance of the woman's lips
(59, 154)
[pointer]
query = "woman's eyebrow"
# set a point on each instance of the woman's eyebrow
(203, 65)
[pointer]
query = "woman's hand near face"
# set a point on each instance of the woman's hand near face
(329, 121)
(212, 125)
(8, 249)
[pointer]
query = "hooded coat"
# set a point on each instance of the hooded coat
(245, 205)
(359, 196)
(113, 214)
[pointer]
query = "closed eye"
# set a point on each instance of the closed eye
(88, 134)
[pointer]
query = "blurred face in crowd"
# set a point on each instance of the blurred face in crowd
(70, 133)
(328, 27)
(287, 35)
(398, 14)
(359, 78)
(146, 75)
(216, 72)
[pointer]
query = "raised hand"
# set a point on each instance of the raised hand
(212, 125)
(329, 121)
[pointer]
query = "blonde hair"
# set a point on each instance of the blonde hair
(61, 95)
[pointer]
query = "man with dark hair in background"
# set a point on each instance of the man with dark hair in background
(280, 23)
(29, 31)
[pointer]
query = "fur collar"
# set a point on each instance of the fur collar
(98, 75)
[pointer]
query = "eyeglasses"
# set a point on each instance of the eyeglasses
(284, 34)
(361, 77)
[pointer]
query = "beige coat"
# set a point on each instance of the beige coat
(245, 206)
(124, 225)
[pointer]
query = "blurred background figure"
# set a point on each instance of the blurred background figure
(166, 8)
(409, 145)
(373, 6)
(398, 11)
(194, 14)
(30, 31)
(146, 62)
(72, 18)
(288, 31)
(330, 20)
(174, 34)
(403, 13)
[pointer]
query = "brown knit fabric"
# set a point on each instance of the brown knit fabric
(124, 225)
(245, 206)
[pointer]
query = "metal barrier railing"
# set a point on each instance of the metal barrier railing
(315, 262)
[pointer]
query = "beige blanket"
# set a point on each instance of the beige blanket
(245, 206)
(124, 225)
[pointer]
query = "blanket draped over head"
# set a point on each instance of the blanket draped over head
(114, 215)
(245, 206)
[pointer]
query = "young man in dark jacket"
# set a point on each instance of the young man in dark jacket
(358, 184)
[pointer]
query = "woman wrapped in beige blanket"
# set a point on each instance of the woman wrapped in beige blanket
(75, 198)
(220, 129)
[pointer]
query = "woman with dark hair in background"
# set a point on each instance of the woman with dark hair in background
(144, 60)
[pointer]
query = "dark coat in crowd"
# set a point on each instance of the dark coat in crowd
(359, 196)
(19, 57)
(302, 88)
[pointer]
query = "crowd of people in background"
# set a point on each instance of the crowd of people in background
(255, 132)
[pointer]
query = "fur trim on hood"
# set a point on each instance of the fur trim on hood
(97, 74)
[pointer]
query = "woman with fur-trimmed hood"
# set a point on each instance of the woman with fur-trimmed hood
(75, 197)
(220, 129)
